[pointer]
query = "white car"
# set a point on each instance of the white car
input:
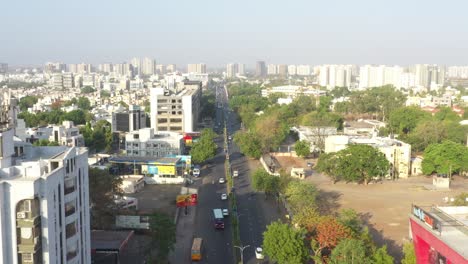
(235, 173)
(221, 180)
(223, 196)
(259, 253)
(225, 212)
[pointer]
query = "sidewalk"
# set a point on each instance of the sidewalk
(184, 233)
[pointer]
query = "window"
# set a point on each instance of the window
(70, 230)
(136, 136)
(26, 233)
(25, 206)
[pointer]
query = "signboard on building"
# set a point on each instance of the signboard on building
(426, 218)
(132, 221)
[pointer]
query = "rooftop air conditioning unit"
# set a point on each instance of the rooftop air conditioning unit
(21, 215)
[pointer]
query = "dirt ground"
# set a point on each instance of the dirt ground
(384, 206)
(158, 197)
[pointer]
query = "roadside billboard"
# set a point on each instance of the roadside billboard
(132, 221)
(186, 200)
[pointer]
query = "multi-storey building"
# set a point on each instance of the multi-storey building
(397, 152)
(3, 68)
(282, 70)
(44, 217)
(176, 109)
(145, 142)
(160, 69)
(65, 135)
(57, 81)
(241, 69)
(272, 69)
(292, 70)
(303, 70)
(127, 121)
(148, 66)
(232, 70)
(171, 68)
(196, 68)
(260, 70)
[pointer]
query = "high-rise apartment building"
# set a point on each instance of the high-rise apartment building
(332, 76)
(260, 70)
(177, 109)
(303, 70)
(160, 69)
(68, 80)
(136, 66)
(282, 70)
(106, 68)
(44, 193)
(3, 68)
(148, 66)
(292, 70)
(232, 70)
(272, 69)
(241, 69)
(196, 68)
(51, 67)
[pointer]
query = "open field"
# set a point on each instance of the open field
(385, 206)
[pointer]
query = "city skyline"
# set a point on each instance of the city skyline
(361, 32)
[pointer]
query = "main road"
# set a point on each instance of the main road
(255, 211)
(217, 243)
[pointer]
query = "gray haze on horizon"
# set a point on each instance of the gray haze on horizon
(220, 32)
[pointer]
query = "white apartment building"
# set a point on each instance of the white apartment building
(332, 76)
(457, 72)
(176, 109)
(44, 197)
(303, 70)
(232, 70)
(292, 70)
(196, 68)
(241, 69)
(128, 120)
(148, 66)
(66, 134)
(272, 69)
(397, 152)
(145, 142)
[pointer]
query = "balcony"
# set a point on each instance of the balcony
(69, 189)
(70, 211)
(71, 255)
(70, 230)
(27, 220)
(30, 245)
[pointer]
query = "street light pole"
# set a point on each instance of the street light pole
(242, 252)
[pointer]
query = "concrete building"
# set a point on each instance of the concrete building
(160, 69)
(145, 142)
(303, 70)
(440, 233)
(292, 70)
(272, 69)
(68, 80)
(196, 68)
(171, 68)
(397, 152)
(282, 70)
(44, 217)
(176, 109)
(315, 136)
(57, 81)
(148, 66)
(128, 120)
(3, 68)
(66, 134)
(260, 70)
(232, 69)
(241, 69)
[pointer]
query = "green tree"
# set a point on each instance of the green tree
(381, 256)
(410, 255)
(262, 181)
(271, 131)
(205, 148)
(447, 157)
(77, 116)
(405, 119)
(301, 194)
(27, 101)
(284, 244)
(163, 235)
(350, 219)
(349, 251)
(249, 144)
(83, 103)
(87, 90)
(302, 148)
(361, 163)
(102, 188)
(328, 164)
(105, 94)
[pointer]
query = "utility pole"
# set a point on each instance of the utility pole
(242, 252)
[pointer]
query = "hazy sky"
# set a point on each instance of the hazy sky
(217, 32)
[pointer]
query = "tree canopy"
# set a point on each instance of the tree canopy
(284, 244)
(163, 235)
(356, 163)
(302, 148)
(446, 157)
(205, 148)
(27, 101)
(300, 194)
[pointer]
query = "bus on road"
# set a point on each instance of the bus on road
(197, 249)
(218, 219)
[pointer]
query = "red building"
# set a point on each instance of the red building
(440, 234)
